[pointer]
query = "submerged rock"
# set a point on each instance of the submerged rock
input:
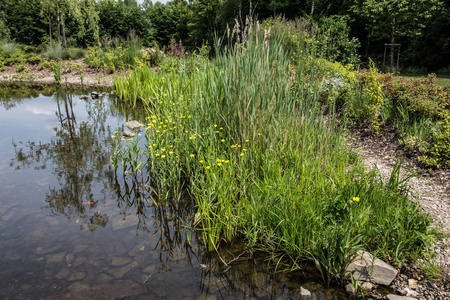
(126, 133)
(95, 95)
(133, 125)
(119, 222)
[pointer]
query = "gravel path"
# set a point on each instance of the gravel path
(430, 191)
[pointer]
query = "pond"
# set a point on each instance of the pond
(71, 228)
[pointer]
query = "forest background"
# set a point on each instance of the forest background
(357, 29)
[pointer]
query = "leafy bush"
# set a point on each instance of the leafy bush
(115, 56)
(9, 48)
(421, 96)
(54, 52)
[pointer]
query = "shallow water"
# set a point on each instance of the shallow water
(70, 228)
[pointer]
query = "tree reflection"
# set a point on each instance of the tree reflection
(79, 157)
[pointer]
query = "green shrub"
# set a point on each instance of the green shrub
(421, 96)
(33, 59)
(54, 52)
(44, 65)
(9, 48)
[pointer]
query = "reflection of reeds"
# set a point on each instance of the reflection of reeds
(262, 161)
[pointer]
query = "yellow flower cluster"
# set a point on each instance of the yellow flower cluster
(354, 199)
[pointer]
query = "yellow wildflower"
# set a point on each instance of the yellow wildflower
(192, 155)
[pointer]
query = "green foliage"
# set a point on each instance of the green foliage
(54, 51)
(365, 101)
(56, 69)
(115, 57)
(262, 161)
(422, 97)
(438, 155)
(328, 40)
(334, 40)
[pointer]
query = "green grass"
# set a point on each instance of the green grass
(441, 80)
(246, 138)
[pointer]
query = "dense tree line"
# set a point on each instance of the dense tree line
(420, 26)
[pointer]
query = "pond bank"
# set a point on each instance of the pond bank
(428, 188)
(71, 78)
(423, 287)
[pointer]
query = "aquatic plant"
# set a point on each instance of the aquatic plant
(246, 138)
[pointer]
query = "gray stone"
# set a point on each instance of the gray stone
(103, 278)
(136, 250)
(411, 293)
(350, 289)
(207, 297)
(120, 261)
(305, 294)
(95, 95)
(365, 268)
(56, 258)
(126, 133)
(79, 290)
(396, 297)
(77, 276)
(150, 269)
(367, 287)
(84, 97)
(79, 285)
(41, 250)
(119, 272)
(80, 248)
(133, 125)
(412, 283)
(62, 274)
(79, 261)
(120, 222)
(69, 258)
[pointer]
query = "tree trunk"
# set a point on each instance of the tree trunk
(58, 24)
(63, 31)
(312, 8)
(50, 29)
(392, 45)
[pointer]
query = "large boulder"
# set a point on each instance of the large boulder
(365, 268)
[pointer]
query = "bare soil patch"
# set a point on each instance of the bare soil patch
(91, 77)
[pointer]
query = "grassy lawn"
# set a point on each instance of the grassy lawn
(441, 80)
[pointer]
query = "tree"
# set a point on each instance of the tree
(4, 30)
(82, 11)
(391, 19)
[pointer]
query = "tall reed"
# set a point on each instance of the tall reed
(263, 162)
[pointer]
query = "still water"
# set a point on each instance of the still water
(70, 228)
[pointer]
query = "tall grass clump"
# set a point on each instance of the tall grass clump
(246, 138)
